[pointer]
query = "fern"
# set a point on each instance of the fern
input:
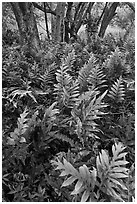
(22, 126)
(85, 178)
(131, 184)
(69, 60)
(70, 96)
(67, 89)
(114, 65)
(22, 93)
(112, 172)
(49, 118)
(117, 91)
(86, 112)
(48, 77)
(85, 72)
(91, 74)
(63, 79)
(97, 78)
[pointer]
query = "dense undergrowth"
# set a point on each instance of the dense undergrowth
(68, 122)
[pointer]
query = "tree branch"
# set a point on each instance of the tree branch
(102, 14)
(42, 9)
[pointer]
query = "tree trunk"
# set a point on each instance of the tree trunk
(29, 36)
(46, 21)
(59, 18)
(108, 15)
(67, 22)
(52, 22)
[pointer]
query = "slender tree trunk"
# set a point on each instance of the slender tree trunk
(23, 12)
(108, 15)
(59, 18)
(98, 22)
(82, 14)
(46, 21)
(53, 22)
(67, 22)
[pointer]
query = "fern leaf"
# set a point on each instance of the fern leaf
(117, 91)
(69, 181)
(113, 171)
(22, 93)
(23, 124)
(85, 72)
(85, 196)
(97, 78)
(84, 178)
(49, 118)
(48, 77)
(67, 90)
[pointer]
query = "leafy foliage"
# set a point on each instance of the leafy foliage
(70, 112)
(110, 171)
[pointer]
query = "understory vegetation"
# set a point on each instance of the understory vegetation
(68, 121)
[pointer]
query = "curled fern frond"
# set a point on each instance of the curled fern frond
(117, 91)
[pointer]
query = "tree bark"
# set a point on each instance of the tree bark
(29, 36)
(59, 18)
(46, 21)
(108, 15)
(67, 22)
(98, 22)
(82, 14)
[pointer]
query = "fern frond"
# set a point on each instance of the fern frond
(114, 65)
(87, 111)
(22, 93)
(69, 60)
(112, 171)
(85, 72)
(97, 77)
(67, 90)
(22, 126)
(48, 77)
(84, 178)
(71, 95)
(49, 118)
(117, 91)
(63, 78)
